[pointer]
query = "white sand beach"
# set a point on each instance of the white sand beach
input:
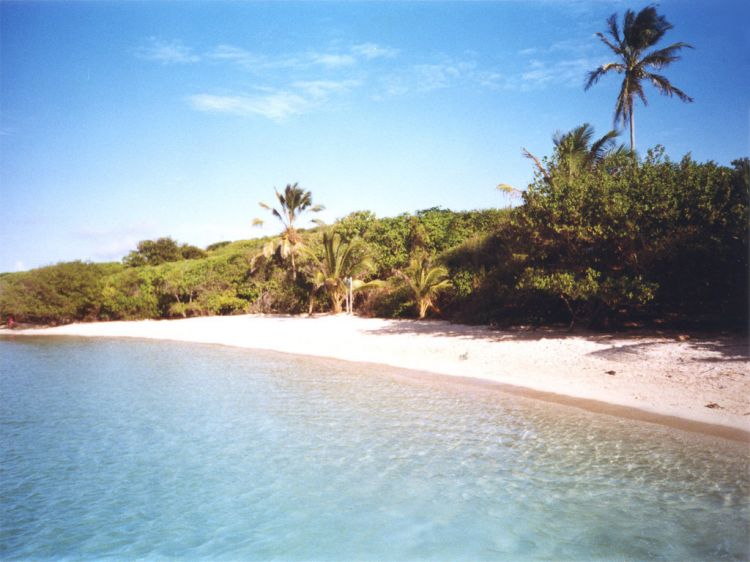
(678, 380)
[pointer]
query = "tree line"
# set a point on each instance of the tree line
(601, 241)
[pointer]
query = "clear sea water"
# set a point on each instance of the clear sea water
(116, 449)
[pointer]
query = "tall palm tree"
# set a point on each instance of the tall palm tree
(292, 203)
(574, 151)
(425, 282)
(340, 260)
(639, 32)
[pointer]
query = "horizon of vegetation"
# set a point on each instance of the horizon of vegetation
(600, 238)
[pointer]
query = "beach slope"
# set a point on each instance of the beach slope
(663, 378)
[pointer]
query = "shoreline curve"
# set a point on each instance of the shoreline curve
(699, 384)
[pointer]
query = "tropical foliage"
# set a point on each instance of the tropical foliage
(630, 44)
(424, 282)
(574, 152)
(163, 250)
(340, 261)
(292, 203)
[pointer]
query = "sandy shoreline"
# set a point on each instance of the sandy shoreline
(703, 380)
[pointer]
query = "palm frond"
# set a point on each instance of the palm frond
(509, 190)
(434, 276)
(602, 146)
(359, 285)
(637, 89)
(536, 161)
(664, 57)
(594, 76)
(666, 88)
(647, 28)
(257, 222)
(617, 49)
(613, 29)
(280, 197)
(268, 249)
(624, 104)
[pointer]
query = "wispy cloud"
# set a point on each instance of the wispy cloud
(290, 83)
(563, 63)
(325, 88)
(371, 51)
(426, 77)
(295, 83)
(176, 52)
(332, 60)
(167, 52)
(277, 105)
(247, 60)
(559, 73)
(236, 55)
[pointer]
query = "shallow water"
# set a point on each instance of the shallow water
(134, 449)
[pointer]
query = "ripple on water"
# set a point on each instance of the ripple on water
(117, 449)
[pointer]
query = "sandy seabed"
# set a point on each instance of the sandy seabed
(697, 383)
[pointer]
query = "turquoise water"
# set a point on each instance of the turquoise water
(132, 449)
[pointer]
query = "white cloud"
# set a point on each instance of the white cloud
(19, 266)
(332, 60)
(276, 106)
(371, 51)
(324, 88)
(541, 74)
(427, 77)
(234, 54)
(167, 52)
(249, 60)
(254, 61)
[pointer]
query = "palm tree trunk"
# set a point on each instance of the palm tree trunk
(632, 132)
(423, 305)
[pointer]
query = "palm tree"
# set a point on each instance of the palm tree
(292, 203)
(574, 152)
(425, 283)
(340, 260)
(639, 33)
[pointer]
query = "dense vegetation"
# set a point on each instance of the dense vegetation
(604, 240)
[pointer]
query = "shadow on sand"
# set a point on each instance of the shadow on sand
(727, 347)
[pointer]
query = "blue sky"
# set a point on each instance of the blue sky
(122, 121)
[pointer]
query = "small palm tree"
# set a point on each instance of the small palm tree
(340, 260)
(639, 33)
(425, 283)
(574, 151)
(292, 203)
